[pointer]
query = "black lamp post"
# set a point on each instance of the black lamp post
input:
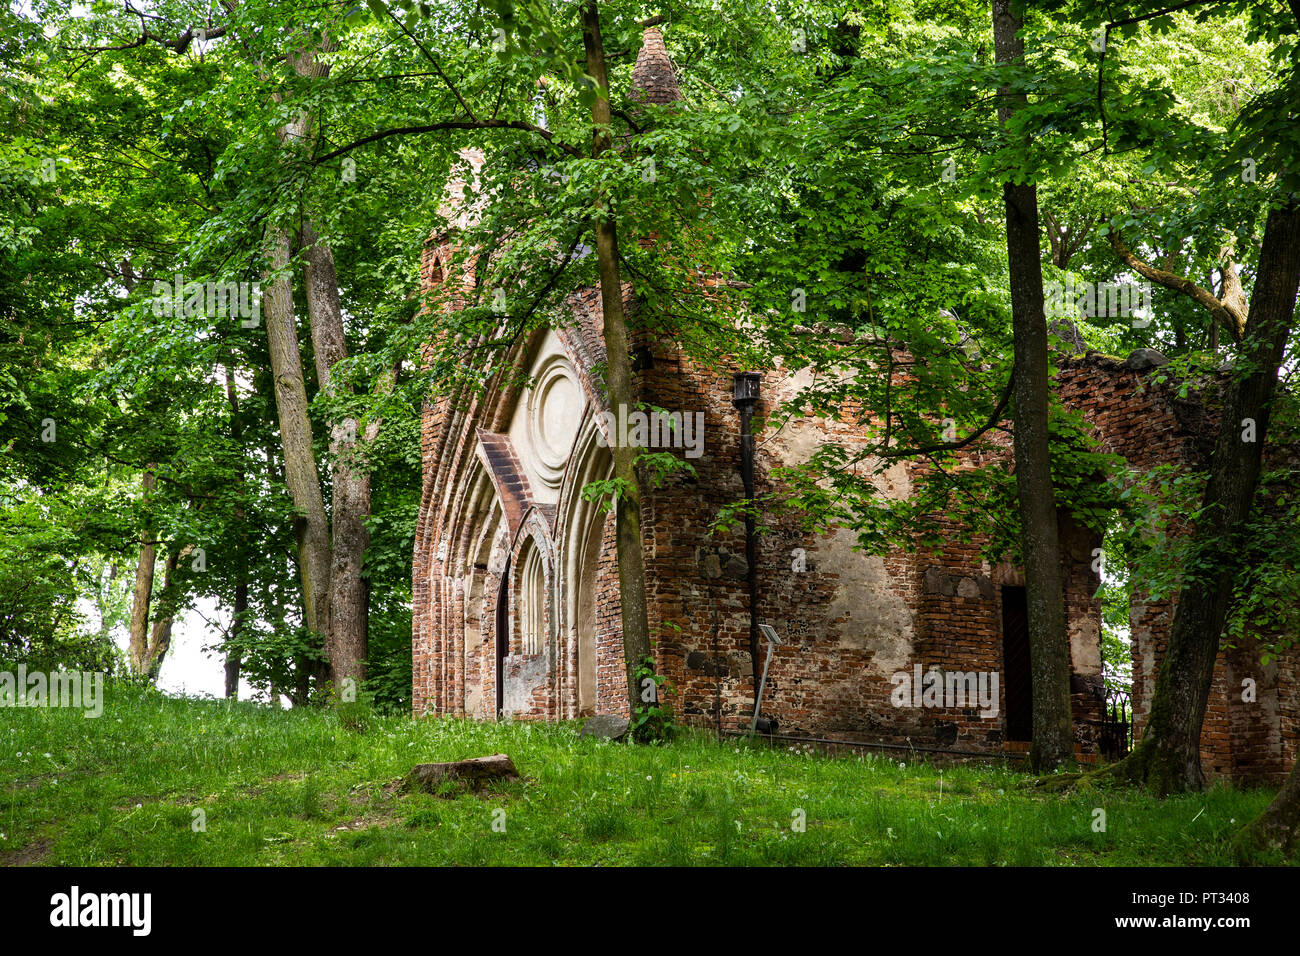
(744, 395)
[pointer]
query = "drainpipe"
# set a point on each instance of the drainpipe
(745, 398)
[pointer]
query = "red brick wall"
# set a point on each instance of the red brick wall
(820, 682)
(816, 685)
(1149, 424)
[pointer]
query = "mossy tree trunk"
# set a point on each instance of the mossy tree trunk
(1168, 758)
(618, 382)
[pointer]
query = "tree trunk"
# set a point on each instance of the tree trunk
(1168, 758)
(1049, 649)
(144, 572)
(274, 599)
(104, 599)
(340, 599)
(311, 526)
(160, 638)
(449, 779)
(346, 622)
(618, 381)
(1277, 827)
(234, 657)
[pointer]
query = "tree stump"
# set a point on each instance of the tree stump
(473, 774)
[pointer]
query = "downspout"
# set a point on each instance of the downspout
(745, 393)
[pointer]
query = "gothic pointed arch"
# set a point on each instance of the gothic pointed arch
(583, 532)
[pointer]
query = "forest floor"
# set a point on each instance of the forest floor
(165, 781)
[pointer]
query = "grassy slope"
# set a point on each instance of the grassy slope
(298, 788)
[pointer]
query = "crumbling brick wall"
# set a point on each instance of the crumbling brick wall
(1149, 423)
(850, 621)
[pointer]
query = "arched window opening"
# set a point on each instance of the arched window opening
(532, 601)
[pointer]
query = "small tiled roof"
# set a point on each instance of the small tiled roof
(497, 453)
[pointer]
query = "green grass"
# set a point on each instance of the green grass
(298, 788)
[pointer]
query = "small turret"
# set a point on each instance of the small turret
(653, 78)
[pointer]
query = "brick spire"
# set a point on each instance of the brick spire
(653, 77)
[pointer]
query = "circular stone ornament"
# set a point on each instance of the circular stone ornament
(554, 413)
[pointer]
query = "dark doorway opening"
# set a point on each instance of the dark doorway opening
(1017, 680)
(502, 636)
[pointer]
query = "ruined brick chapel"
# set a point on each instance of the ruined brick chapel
(516, 599)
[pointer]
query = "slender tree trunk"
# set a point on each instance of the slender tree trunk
(273, 598)
(104, 600)
(340, 598)
(1278, 827)
(1049, 648)
(312, 529)
(311, 526)
(346, 630)
(1168, 758)
(160, 638)
(234, 656)
(143, 595)
(618, 381)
